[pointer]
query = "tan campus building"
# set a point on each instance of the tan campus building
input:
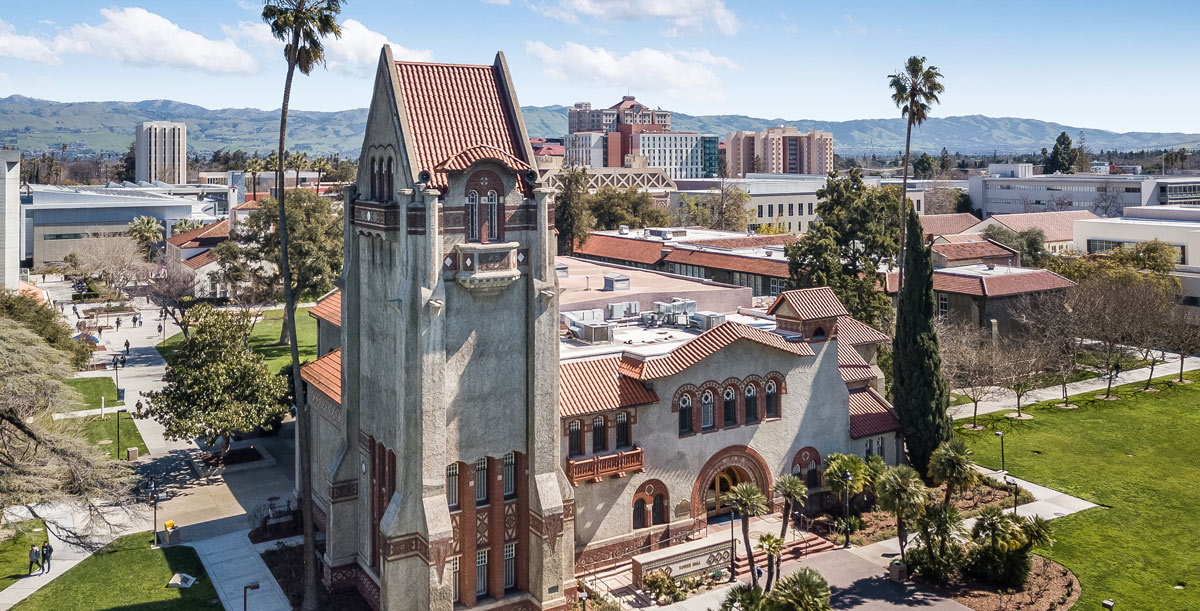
(779, 150)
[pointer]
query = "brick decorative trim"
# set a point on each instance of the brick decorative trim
(741, 457)
(406, 546)
(343, 491)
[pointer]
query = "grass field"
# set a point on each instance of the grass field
(91, 389)
(14, 550)
(265, 335)
(127, 574)
(1133, 457)
(98, 430)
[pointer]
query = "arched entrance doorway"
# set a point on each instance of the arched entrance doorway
(726, 469)
(715, 502)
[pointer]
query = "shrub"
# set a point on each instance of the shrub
(1005, 568)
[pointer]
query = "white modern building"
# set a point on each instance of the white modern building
(1178, 225)
(1019, 190)
(586, 149)
(680, 155)
(10, 219)
(161, 152)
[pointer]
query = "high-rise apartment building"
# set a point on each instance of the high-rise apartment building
(582, 118)
(778, 150)
(681, 155)
(161, 152)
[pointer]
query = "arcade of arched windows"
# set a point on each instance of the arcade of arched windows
(714, 406)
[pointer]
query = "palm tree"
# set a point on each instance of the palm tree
(299, 162)
(804, 590)
(1001, 530)
(794, 493)
(744, 597)
(147, 230)
(901, 492)
(322, 167)
(749, 501)
(953, 464)
(773, 546)
(301, 24)
(914, 89)
(185, 225)
(254, 167)
(271, 164)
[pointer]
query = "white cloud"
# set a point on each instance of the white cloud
(672, 71)
(501, 2)
(25, 48)
(358, 49)
(254, 34)
(136, 36)
(681, 15)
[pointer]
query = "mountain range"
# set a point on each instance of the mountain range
(37, 126)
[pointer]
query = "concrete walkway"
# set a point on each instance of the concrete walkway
(232, 563)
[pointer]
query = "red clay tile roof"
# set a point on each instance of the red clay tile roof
(964, 251)
(947, 281)
(208, 235)
(959, 238)
(851, 364)
(550, 150)
(621, 249)
(755, 241)
(942, 224)
(325, 374)
(777, 268)
(1059, 226)
(463, 160)
(452, 108)
(596, 385)
(851, 331)
(627, 104)
(329, 308)
(201, 259)
(870, 414)
(818, 302)
(706, 344)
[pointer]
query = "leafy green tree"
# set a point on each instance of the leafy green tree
(902, 493)
(613, 207)
(1004, 543)
(749, 502)
(876, 467)
(953, 464)
(944, 161)
(965, 205)
(572, 210)
(1062, 157)
(836, 466)
(723, 208)
(322, 167)
(855, 238)
(146, 231)
(744, 597)
(42, 319)
(924, 167)
(915, 89)
(216, 386)
(919, 391)
(1030, 244)
(254, 166)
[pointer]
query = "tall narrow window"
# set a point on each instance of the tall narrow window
(374, 191)
(387, 190)
(599, 435)
(879, 447)
(454, 580)
(481, 481)
(706, 410)
(750, 398)
(623, 430)
(639, 513)
(574, 438)
(481, 568)
(510, 475)
(658, 511)
(730, 411)
(492, 205)
(772, 400)
(685, 415)
(452, 485)
(471, 219)
(510, 565)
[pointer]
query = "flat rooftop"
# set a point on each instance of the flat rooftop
(980, 270)
(583, 288)
(633, 338)
(710, 240)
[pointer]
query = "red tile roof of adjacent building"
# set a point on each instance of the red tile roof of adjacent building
(597, 385)
(208, 235)
(1031, 281)
(705, 345)
(201, 259)
(325, 374)
(870, 414)
(777, 268)
(753, 241)
(550, 150)
(809, 304)
(627, 104)
(851, 331)
(621, 249)
(942, 224)
(851, 364)
(959, 238)
(1059, 226)
(452, 108)
(329, 308)
(964, 251)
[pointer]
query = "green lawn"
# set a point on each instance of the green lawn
(92, 389)
(264, 337)
(97, 430)
(128, 575)
(1134, 457)
(14, 550)
(957, 399)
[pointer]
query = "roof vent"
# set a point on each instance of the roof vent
(560, 270)
(623, 230)
(991, 265)
(616, 282)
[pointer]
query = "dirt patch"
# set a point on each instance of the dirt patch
(287, 565)
(236, 456)
(1051, 586)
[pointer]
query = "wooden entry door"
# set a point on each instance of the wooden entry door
(715, 503)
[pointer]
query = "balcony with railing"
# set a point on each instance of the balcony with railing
(596, 468)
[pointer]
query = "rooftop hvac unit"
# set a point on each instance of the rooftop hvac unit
(596, 332)
(664, 308)
(707, 320)
(684, 306)
(560, 270)
(651, 319)
(623, 230)
(623, 309)
(616, 282)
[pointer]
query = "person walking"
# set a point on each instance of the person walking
(138, 407)
(160, 328)
(126, 346)
(75, 309)
(35, 557)
(118, 323)
(123, 357)
(47, 551)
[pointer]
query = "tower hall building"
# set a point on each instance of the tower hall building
(488, 423)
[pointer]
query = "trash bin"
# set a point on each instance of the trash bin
(120, 394)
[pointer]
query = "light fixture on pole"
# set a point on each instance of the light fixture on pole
(246, 590)
(1108, 603)
(847, 478)
(733, 547)
(1000, 434)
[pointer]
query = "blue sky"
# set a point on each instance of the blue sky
(1096, 64)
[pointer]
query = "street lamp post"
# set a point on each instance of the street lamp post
(847, 478)
(246, 590)
(1000, 434)
(733, 515)
(154, 504)
(1015, 490)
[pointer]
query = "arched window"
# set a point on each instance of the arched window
(472, 216)
(819, 333)
(730, 411)
(639, 514)
(706, 410)
(685, 415)
(750, 398)
(812, 475)
(481, 481)
(452, 485)
(599, 435)
(574, 438)
(374, 192)
(623, 435)
(658, 511)
(490, 214)
(772, 400)
(387, 191)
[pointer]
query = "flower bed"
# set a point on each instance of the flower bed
(1051, 587)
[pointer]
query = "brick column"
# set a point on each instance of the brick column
(496, 527)
(466, 534)
(522, 474)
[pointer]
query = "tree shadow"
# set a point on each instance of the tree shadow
(875, 589)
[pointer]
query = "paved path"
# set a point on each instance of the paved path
(1008, 400)
(232, 563)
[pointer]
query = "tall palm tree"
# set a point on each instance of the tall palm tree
(147, 231)
(254, 167)
(773, 546)
(901, 492)
(301, 25)
(804, 590)
(915, 89)
(1001, 530)
(299, 163)
(272, 163)
(322, 167)
(794, 494)
(749, 501)
(185, 225)
(953, 464)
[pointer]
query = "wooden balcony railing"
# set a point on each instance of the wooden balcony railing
(597, 468)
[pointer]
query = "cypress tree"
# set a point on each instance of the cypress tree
(919, 391)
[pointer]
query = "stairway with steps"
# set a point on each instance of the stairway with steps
(794, 550)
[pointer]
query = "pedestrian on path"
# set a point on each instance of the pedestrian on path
(123, 361)
(160, 328)
(47, 551)
(126, 346)
(118, 323)
(139, 408)
(34, 557)
(75, 309)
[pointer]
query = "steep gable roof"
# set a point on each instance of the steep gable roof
(705, 345)
(870, 414)
(597, 385)
(1058, 225)
(809, 304)
(854, 333)
(851, 364)
(208, 235)
(201, 259)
